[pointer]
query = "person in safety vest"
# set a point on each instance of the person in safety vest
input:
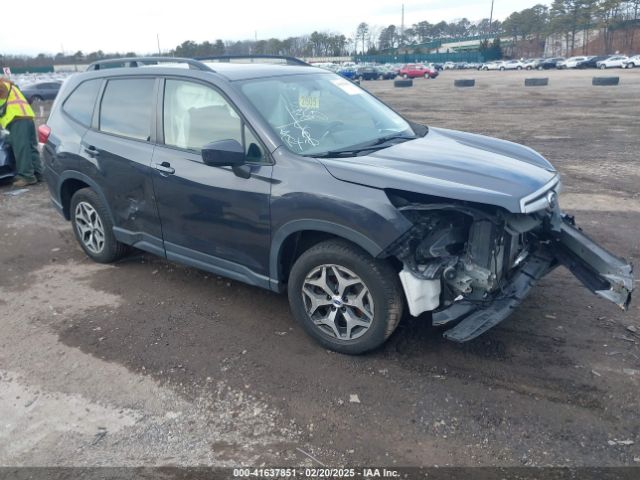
(16, 116)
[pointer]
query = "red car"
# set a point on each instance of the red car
(415, 70)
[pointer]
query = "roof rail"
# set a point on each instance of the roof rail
(252, 59)
(129, 62)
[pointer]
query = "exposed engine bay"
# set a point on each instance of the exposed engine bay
(472, 265)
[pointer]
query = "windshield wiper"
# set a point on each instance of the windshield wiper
(373, 146)
(389, 138)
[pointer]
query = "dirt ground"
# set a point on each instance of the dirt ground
(150, 363)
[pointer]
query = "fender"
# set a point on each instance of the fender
(75, 175)
(295, 226)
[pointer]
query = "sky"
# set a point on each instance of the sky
(134, 25)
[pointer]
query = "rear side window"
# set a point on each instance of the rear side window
(79, 105)
(127, 106)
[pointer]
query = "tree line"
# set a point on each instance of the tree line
(617, 20)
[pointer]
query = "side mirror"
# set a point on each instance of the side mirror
(223, 153)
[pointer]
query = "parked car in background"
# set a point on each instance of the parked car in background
(571, 62)
(367, 73)
(590, 62)
(615, 61)
(415, 70)
(511, 65)
(37, 92)
(347, 72)
(472, 66)
(531, 63)
(491, 65)
(7, 161)
(449, 66)
(387, 72)
(549, 63)
(632, 62)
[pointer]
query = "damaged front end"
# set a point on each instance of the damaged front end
(472, 265)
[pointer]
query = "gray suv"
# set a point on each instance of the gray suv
(292, 178)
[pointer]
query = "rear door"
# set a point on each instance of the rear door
(120, 149)
(211, 218)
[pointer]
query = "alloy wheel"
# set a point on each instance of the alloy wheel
(338, 302)
(89, 227)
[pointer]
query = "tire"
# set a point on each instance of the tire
(384, 297)
(403, 83)
(35, 98)
(603, 67)
(405, 76)
(89, 212)
(502, 69)
(427, 76)
(519, 68)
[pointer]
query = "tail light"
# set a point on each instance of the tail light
(43, 133)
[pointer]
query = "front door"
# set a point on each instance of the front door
(211, 218)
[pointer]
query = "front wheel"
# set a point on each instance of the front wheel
(345, 299)
(93, 227)
(603, 67)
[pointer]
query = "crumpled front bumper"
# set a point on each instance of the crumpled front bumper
(600, 271)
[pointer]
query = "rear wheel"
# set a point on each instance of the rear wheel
(345, 299)
(93, 227)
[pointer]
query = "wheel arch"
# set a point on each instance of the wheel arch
(293, 238)
(70, 183)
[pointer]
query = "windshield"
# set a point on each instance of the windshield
(321, 114)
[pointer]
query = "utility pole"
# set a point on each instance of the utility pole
(402, 27)
(491, 17)
(158, 39)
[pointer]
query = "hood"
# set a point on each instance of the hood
(454, 165)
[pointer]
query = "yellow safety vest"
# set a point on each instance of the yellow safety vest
(17, 106)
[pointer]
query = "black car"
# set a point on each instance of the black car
(591, 62)
(41, 91)
(387, 72)
(7, 161)
(549, 63)
(368, 73)
(292, 178)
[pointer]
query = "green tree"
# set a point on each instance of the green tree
(361, 34)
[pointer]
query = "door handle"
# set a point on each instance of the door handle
(164, 167)
(91, 151)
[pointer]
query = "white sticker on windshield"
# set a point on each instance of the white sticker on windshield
(347, 86)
